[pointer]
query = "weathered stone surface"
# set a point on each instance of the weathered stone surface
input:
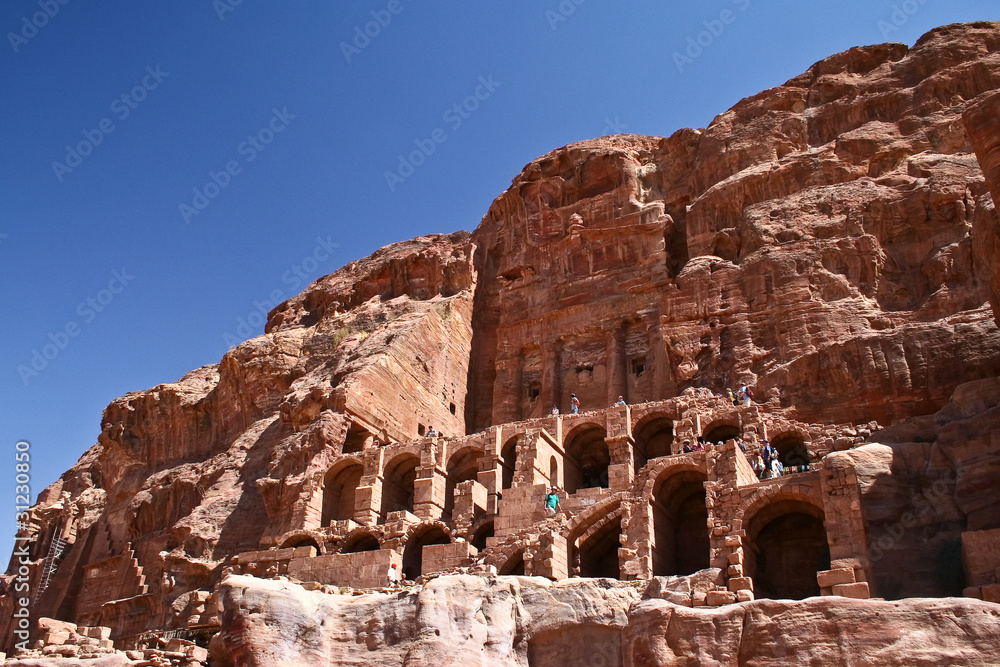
(831, 242)
(858, 590)
(788, 204)
(682, 590)
(982, 123)
(821, 631)
(105, 661)
(834, 577)
(494, 621)
(922, 492)
(474, 619)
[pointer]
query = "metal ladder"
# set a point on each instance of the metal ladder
(56, 549)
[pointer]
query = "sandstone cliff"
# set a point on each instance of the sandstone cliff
(831, 242)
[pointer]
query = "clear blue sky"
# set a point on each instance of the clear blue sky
(115, 112)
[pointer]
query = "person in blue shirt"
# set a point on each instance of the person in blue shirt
(551, 501)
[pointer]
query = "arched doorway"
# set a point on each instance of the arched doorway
(792, 450)
(462, 467)
(680, 524)
(397, 484)
(340, 487)
(300, 541)
(514, 565)
(654, 438)
(508, 461)
(483, 532)
(598, 552)
(787, 547)
(359, 543)
(357, 439)
(717, 433)
(587, 459)
(413, 553)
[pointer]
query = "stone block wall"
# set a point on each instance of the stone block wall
(444, 557)
(981, 561)
(524, 532)
(114, 578)
(366, 569)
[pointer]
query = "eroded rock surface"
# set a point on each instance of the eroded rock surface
(816, 631)
(519, 621)
(492, 621)
(831, 242)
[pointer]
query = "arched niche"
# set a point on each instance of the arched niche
(680, 524)
(787, 546)
(587, 459)
(398, 484)
(413, 552)
(340, 485)
(654, 437)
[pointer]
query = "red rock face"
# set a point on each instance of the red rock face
(831, 242)
(813, 241)
(982, 122)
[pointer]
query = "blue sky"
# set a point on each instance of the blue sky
(168, 173)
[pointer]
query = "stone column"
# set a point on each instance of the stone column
(368, 498)
(429, 490)
(657, 358)
(505, 392)
(637, 527)
(850, 564)
(621, 448)
(517, 390)
(551, 379)
(550, 556)
(431, 485)
(617, 365)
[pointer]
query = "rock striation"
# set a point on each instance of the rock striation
(831, 243)
(499, 621)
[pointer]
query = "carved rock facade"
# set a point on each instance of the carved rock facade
(830, 242)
